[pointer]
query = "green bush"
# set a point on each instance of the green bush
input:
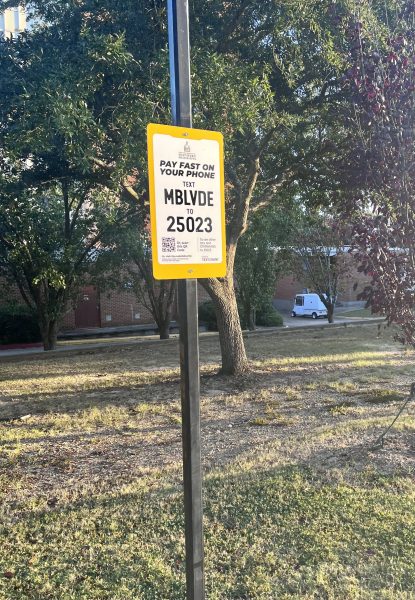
(267, 316)
(207, 315)
(18, 325)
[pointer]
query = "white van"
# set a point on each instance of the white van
(308, 305)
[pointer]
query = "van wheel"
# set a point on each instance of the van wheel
(314, 316)
(293, 314)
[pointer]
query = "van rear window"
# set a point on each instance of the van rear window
(299, 301)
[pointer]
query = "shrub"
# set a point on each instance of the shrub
(267, 316)
(18, 324)
(207, 315)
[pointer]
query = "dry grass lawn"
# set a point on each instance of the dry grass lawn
(298, 503)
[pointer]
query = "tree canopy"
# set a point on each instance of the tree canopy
(381, 79)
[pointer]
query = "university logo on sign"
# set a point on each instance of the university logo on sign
(187, 212)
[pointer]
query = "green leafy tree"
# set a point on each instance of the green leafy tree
(273, 90)
(261, 257)
(48, 243)
(59, 189)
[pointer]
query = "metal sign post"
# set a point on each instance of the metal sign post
(178, 23)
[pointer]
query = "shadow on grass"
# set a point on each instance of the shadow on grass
(107, 429)
(269, 534)
(133, 393)
(158, 386)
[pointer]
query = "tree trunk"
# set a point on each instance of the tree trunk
(330, 313)
(222, 293)
(251, 319)
(49, 332)
(164, 329)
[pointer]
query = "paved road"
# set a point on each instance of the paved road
(290, 321)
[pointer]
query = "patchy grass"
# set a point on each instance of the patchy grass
(342, 408)
(269, 534)
(271, 416)
(343, 387)
(297, 504)
(380, 396)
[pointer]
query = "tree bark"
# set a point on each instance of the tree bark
(251, 319)
(164, 329)
(330, 313)
(222, 293)
(49, 332)
(157, 297)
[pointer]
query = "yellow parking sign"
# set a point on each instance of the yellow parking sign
(187, 202)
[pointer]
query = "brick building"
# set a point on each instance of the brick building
(110, 309)
(105, 309)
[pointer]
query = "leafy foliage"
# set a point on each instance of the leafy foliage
(261, 257)
(18, 324)
(48, 242)
(207, 315)
(382, 81)
(67, 111)
(267, 316)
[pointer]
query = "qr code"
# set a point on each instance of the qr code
(168, 244)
